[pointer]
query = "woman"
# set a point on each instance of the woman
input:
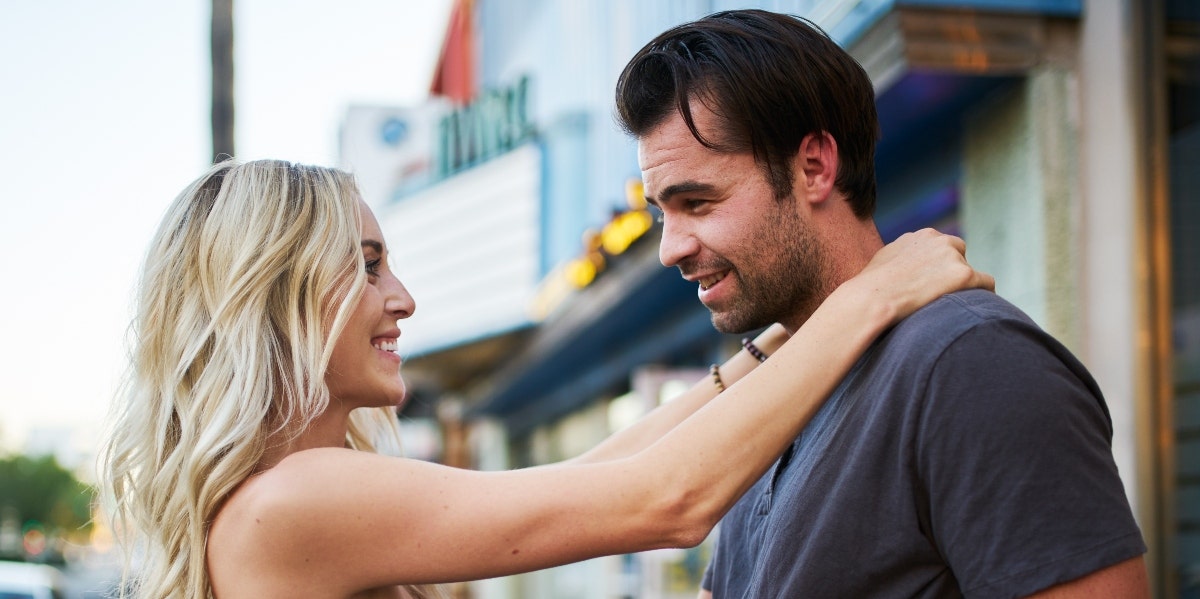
(265, 363)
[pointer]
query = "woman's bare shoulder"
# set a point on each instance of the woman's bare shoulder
(284, 520)
(300, 482)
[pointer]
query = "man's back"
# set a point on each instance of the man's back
(966, 453)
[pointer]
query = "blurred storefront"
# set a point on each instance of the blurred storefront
(1059, 137)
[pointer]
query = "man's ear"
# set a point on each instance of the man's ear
(815, 168)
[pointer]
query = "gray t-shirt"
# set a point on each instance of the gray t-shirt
(966, 454)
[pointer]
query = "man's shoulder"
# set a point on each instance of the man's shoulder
(966, 331)
(944, 320)
(966, 308)
(971, 328)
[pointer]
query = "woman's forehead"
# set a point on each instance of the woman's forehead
(370, 226)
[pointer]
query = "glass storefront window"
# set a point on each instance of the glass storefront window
(1182, 46)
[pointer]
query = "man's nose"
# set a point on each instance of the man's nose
(678, 243)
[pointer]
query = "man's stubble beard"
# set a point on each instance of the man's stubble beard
(783, 279)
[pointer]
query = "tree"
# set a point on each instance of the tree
(36, 494)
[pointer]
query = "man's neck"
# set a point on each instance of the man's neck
(849, 247)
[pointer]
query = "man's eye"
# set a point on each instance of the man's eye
(693, 204)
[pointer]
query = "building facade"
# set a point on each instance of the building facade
(1060, 138)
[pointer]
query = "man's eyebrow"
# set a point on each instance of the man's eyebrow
(684, 187)
(375, 245)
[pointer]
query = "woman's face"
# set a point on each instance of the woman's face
(364, 369)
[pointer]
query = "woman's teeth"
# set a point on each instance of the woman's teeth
(387, 345)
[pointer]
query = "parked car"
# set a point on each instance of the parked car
(30, 581)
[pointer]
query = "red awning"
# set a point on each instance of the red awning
(454, 76)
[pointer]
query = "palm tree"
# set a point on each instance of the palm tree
(222, 79)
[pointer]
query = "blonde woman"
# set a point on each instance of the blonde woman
(241, 458)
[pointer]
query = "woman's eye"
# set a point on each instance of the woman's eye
(373, 267)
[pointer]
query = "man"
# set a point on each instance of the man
(968, 453)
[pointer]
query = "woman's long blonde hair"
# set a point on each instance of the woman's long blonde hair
(253, 272)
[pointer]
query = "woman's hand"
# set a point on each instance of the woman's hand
(916, 269)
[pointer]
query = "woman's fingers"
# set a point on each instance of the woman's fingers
(921, 266)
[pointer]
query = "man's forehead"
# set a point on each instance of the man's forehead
(658, 172)
(652, 154)
(671, 141)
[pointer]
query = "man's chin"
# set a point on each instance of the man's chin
(735, 324)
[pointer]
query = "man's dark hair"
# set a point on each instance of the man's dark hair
(770, 79)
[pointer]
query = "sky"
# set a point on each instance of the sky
(104, 118)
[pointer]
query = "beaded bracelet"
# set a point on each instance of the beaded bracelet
(753, 349)
(716, 375)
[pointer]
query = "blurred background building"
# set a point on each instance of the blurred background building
(1059, 137)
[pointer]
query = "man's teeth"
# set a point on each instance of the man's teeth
(707, 282)
(387, 345)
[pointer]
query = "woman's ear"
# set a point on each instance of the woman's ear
(815, 166)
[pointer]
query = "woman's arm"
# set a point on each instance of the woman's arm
(662, 419)
(348, 520)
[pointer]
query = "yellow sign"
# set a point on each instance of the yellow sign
(616, 237)
(622, 231)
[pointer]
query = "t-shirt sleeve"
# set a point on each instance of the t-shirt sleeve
(1015, 455)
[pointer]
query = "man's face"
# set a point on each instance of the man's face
(756, 259)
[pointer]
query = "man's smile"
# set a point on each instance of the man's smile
(708, 281)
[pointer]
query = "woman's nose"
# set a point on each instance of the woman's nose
(398, 302)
